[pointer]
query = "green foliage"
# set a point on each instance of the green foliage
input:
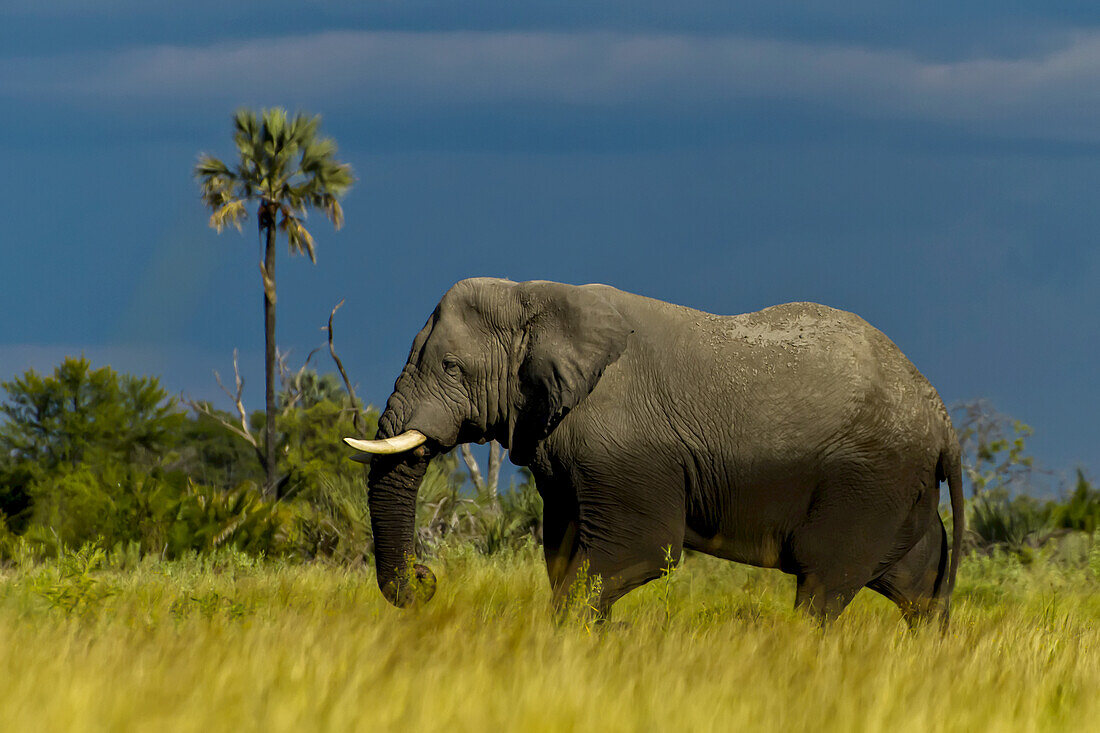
(157, 512)
(211, 455)
(580, 602)
(443, 510)
(1081, 511)
(666, 583)
(16, 478)
(112, 501)
(77, 412)
(522, 504)
(78, 417)
(334, 519)
(306, 388)
(996, 521)
(1022, 524)
(448, 513)
(74, 586)
(205, 519)
(312, 435)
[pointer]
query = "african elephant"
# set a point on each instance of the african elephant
(798, 437)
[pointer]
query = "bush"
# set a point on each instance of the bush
(1081, 512)
(334, 520)
(996, 521)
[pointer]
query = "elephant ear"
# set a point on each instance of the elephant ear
(572, 334)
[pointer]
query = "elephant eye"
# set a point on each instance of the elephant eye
(451, 366)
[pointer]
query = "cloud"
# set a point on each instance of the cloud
(1051, 94)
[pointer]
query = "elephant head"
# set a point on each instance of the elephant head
(496, 360)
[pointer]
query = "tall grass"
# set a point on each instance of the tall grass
(225, 642)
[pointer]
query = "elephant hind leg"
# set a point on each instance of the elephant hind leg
(917, 582)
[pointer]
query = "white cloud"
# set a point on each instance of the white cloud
(1054, 94)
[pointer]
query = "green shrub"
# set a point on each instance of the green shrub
(73, 584)
(333, 518)
(1081, 511)
(109, 502)
(996, 521)
(158, 512)
(313, 450)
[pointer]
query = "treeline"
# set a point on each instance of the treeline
(89, 455)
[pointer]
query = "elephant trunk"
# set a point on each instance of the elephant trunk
(392, 487)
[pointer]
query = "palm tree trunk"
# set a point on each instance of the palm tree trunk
(269, 352)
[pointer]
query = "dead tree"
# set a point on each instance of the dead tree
(357, 412)
(486, 486)
(292, 394)
(242, 430)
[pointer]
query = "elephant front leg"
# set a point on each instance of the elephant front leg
(561, 544)
(602, 565)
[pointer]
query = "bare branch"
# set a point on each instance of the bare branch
(205, 409)
(246, 433)
(292, 384)
(357, 416)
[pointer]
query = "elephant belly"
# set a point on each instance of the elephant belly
(749, 547)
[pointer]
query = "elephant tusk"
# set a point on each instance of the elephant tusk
(398, 444)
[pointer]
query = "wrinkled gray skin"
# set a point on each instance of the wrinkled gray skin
(798, 437)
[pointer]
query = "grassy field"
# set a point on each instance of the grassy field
(227, 643)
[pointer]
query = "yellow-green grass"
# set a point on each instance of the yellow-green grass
(227, 644)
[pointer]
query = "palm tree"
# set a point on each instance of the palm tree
(285, 168)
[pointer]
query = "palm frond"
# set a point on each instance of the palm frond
(215, 192)
(304, 129)
(216, 181)
(298, 237)
(317, 153)
(231, 213)
(247, 135)
(209, 166)
(333, 211)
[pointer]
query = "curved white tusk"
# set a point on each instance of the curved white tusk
(397, 444)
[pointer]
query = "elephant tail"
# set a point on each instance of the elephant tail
(951, 469)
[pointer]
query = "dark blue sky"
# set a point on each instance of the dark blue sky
(932, 167)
